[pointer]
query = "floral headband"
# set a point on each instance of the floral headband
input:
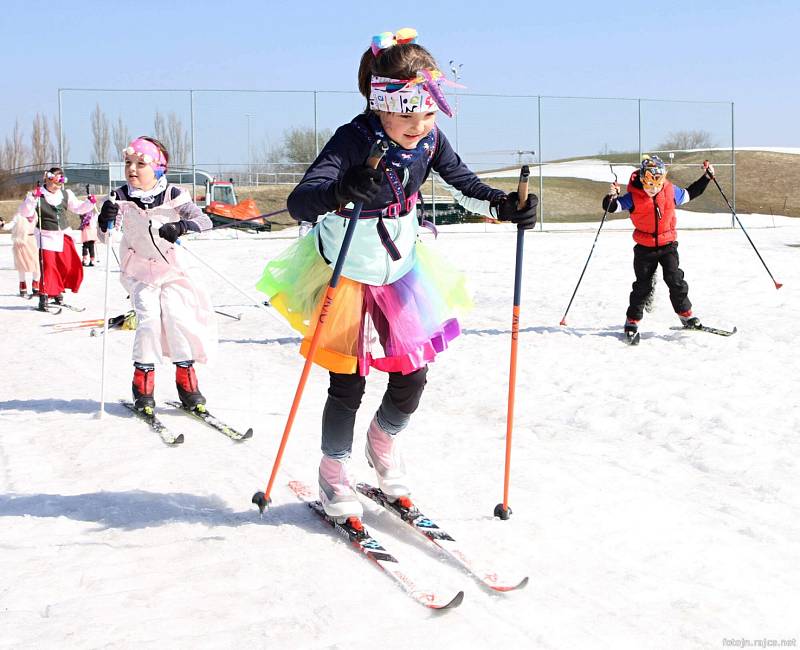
(147, 152)
(385, 40)
(56, 178)
(418, 95)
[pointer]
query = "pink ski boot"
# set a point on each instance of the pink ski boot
(337, 491)
(383, 454)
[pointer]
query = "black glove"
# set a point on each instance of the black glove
(172, 230)
(108, 215)
(525, 218)
(359, 183)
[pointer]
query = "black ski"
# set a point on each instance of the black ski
(354, 532)
(156, 425)
(70, 307)
(50, 308)
(200, 413)
(410, 514)
(712, 330)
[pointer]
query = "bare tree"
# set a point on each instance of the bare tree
(299, 144)
(100, 136)
(180, 144)
(41, 144)
(682, 140)
(120, 136)
(174, 137)
(13, 153)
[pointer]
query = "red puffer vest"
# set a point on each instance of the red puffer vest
(651, 230)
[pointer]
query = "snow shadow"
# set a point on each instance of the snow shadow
(283, 340)
(55, 405)
(135, 509)
(27, 307)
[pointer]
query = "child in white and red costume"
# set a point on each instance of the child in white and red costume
(47, 206)
(175, 315)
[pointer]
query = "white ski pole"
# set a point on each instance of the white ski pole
(258, 304)
(109, 244)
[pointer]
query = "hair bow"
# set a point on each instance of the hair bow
(385, 40)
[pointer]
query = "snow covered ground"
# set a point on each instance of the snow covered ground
(590, 169)
(655, 489)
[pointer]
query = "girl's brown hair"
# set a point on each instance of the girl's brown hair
(396, 62)
(160, 146)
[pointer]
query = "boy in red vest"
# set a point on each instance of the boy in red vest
(651, 200)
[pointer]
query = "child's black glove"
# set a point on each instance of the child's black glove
(108, 215)
(525, 218)
(172, 230)
(359, 183)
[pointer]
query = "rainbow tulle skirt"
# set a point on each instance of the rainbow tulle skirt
(412, 319)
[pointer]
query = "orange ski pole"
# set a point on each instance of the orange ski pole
(502, 510)
(262, 499)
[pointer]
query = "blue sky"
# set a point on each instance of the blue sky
(738, 51)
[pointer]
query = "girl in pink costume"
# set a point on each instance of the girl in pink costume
(175, 315)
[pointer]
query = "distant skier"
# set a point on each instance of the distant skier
(174, 313)
(61, 266)
(393, 290)
(25, 251)
(651, 200)
(88, 237)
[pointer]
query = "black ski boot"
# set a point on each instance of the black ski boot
(42, 302)
(631, 331)
(689, 322)
(188, 391)
(144, 382)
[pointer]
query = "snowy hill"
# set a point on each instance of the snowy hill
(655, 489)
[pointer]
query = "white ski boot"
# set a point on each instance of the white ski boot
(337, 491)
(383, 454)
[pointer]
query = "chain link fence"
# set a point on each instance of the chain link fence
(574, 145)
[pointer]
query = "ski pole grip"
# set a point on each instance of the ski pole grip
(522, 188)
(377, 152)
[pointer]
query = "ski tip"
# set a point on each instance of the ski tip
(260, 499)
(178, 439)
(454, 602)
(502, 512)
(506, 587)
(247, 434)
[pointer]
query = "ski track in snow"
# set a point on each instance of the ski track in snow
(655, 489)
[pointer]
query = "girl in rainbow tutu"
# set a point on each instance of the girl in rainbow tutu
(396, 302)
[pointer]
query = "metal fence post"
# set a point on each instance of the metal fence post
(191, 121)
(733, 165)
(639, 102)
(61, 133)
(316, 135)
(541, 169)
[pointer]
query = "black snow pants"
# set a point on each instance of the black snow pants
(400, 400)
(645, 262)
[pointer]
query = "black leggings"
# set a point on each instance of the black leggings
(645, 262)
(400, 400)
(88, 249)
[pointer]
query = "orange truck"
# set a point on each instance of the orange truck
(220, 203)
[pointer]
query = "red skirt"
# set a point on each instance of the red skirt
(61, 270)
